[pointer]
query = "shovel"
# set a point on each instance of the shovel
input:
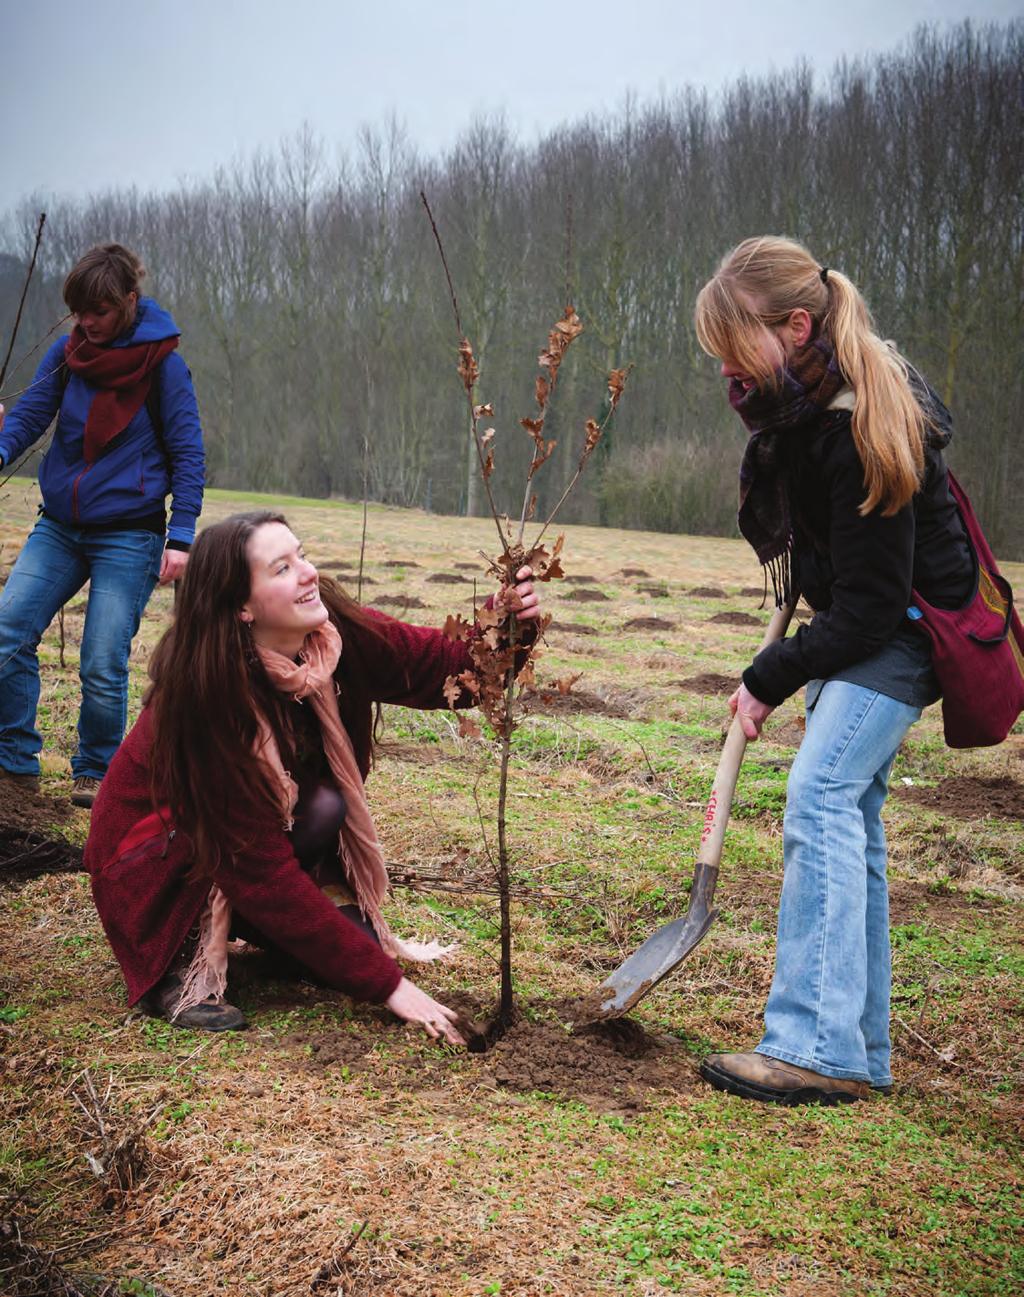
(663, 952)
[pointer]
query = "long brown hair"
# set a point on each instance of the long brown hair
(759, 284)
(209, 689)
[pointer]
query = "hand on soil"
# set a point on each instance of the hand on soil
(411, 1004)
(752, 711)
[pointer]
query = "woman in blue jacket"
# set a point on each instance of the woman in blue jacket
(127, 434)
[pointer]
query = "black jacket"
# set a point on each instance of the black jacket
(857, 572)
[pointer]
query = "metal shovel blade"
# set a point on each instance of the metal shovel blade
(660, 953)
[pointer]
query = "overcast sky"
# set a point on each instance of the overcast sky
(153, 92)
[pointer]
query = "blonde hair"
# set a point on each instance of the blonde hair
(759, 284)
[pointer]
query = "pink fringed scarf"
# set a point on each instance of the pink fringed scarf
(312, 677)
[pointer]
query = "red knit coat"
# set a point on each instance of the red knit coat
(148, 903)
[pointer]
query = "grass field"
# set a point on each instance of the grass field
(554, 1163)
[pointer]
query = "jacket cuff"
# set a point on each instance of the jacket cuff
(756, 686)
(181, 528)
(183, 545)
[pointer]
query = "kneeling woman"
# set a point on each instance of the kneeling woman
(235, 807)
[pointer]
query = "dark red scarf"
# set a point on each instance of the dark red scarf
(123, 376)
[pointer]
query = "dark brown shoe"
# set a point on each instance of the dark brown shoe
(769, 1080)
(84, 791)
(211, 1014)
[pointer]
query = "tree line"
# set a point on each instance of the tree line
(317, 323)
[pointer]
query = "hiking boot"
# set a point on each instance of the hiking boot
(84, 791)
(26, 783)
(769, 1080)
(212, 1014)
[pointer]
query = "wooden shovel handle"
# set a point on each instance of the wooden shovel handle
(716, 817)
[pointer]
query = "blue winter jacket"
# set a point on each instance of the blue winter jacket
(135, 472)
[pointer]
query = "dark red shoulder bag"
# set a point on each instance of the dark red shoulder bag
(977, 650)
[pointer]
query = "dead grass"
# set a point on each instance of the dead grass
(331, 1150)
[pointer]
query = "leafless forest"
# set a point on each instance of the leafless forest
(317, 324)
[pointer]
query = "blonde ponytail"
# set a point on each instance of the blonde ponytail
(758, 285)
(888, 423)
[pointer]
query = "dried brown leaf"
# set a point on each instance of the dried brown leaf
(469, 728)
(456, 628)
(480, 410)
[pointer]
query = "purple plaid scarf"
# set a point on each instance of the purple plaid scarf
(808, 383)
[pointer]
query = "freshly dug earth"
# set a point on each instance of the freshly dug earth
(707, 592)
(969, 798)
(708, 682)
(448, 578)
(735, 619)
(635, 571)
(575, 702)
(581, 578)
(573, 627)
(398, 601)
(653, 591)
(401, 562)
(23, 809)
(584, 595)
(648, 623)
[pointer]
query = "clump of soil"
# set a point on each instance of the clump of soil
(648, 623)
(576, 701)
(466, 567)
(707, 592)
(635, 571)
(23, 809)
(586, 596)
(753, 591)
(610, 1064)
(448, 578)
(573, 627)
(655, 591)
(580, 578)
(398, 601)
(400, 562)
(349, 575)
(708, 682)
(735, 619)
(789, 735)
(969, 798)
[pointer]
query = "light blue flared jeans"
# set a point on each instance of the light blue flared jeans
(828, 1009)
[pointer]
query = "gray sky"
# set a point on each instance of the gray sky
(153, 92)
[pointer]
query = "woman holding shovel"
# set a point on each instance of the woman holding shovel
(844, 497)
(235, 807)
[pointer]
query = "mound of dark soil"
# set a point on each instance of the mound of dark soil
(466, 567)
(448, 578)
(754, 591)
(572, 627)
(350, 577)
(398, 601)
(735, 619)
(969, 798)
(22, 809)
(789, 735)
(654, 591)
(707, 592)
(648, 623)
(635, 571)
(586, 596)
(400, 562)
(708, 682)
(581, 578)
(611, 1064)
(573, 703)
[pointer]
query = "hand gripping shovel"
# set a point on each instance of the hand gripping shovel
(662, 953)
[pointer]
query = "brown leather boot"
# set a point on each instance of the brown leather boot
(211, 1014)
(769, 1080)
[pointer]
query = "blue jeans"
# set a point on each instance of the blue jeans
(55, 562)
(828, 1009)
